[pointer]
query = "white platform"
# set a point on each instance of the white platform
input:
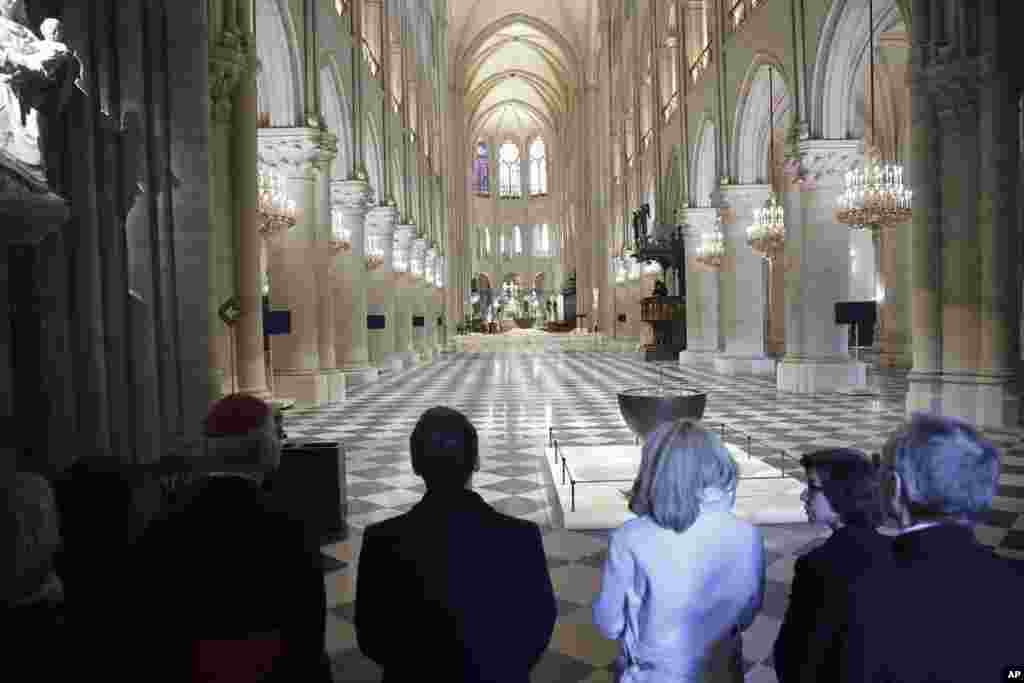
(774, 500)
(753, 365)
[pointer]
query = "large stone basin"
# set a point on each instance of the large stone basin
(644, 408)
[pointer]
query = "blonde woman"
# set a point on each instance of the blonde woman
(686, 577)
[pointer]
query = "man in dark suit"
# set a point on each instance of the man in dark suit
(233, 584)
(946, 609)
(842, 494)
(453, 585)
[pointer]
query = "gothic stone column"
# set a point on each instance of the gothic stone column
(742, 291)
(964, 118)
(404, 236)
(702, 289)
(380, 298)
(301, 154)
(350, 200)
(327, 277)
(817, 256)
(417, 263)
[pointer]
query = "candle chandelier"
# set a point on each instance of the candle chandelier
(341, 236)
(767, 234)
(374, 251)
(276, 211)
(712, 247)
(874, 195)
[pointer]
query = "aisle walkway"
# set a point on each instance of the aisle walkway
(512, 399)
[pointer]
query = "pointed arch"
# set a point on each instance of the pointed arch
(279, 80)
(336, 114)
(750, 141)
(705, 175)
(836, 96)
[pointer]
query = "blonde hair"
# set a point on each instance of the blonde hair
(679, 461)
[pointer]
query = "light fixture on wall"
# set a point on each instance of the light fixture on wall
(341, 236)
(874, 195)
(711, 250)
(767, 234)
(276, 211)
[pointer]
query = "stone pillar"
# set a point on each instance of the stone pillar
(350, 201)
(429, 316)
(965, 219)
(742, 287)
(404, 235)
(302, 155)
(230, 63)
(818, 275)
(380, 298)
(249, 354)
(702, 328)
(417, 264)
(894, 270)
(327, 280)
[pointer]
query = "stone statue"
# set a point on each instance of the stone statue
(35, 80)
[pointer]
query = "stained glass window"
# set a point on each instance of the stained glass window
(481, 169)
(538, 168)
(510, 171)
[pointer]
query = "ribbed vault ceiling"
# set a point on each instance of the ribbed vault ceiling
(518, 61)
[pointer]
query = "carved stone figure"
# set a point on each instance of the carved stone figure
(35, 80)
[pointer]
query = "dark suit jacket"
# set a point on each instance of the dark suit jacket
(806, 649)
(457, 587)
(225, 563)
(947, 610)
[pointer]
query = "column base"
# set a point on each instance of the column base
(983, 400)
(392, 363)
(808, 376)
(307, 388)
(335, 386)
(363, 374)
(745, 365)
(696, 357)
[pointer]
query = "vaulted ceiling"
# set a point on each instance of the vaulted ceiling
(518, 61)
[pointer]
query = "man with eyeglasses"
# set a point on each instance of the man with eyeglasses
(946, 608)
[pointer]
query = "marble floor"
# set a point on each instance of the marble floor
(514, 398)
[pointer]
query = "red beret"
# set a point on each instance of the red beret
(235, 415)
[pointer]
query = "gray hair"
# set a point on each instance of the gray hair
(30, 533)
(950, 471)
(679, 460)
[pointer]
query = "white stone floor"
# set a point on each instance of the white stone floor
(514, 398)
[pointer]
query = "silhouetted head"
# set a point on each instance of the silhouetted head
(939, 468)
(243, 430)
(848, 481)
(444, 449)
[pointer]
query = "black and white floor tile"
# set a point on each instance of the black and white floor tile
(514, 398)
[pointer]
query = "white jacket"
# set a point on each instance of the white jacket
(672, 599)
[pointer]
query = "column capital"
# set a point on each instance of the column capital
(417, 257)
(231, 57)
(350, 195)
(744, 195)
(402, 246)
(381, 220)
(828, 161)
(697, 221)
(297, 149)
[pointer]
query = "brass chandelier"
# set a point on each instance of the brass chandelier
(767, 234)
(874, 196)
(711, 250)
(276, 211)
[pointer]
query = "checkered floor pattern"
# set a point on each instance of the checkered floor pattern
(513, 399)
